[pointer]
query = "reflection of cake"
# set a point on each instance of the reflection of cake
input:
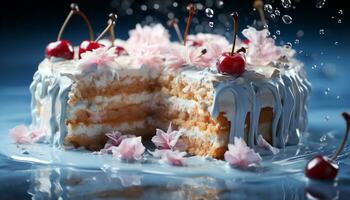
(157, 82)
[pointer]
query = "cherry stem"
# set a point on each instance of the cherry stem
(173, 23)
(109, 28)
(191, 11)
(75, 11)
(235, 27)
(341, 147)
(258, 5)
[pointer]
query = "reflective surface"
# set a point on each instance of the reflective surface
(38, 172)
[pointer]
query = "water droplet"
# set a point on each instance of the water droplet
(211, 24)
(300, 52)
(274, 37)
(320, 3)
(296, 41)
(326, 118)
(278, 32)
(175, 4)
(209, 12)
(321, 31)
(219, 4)
(143, 7)
(336, 43)
(171, 15)
(287, 19)
(338, 97)
(339, 21)
(268, 8)
(332, 17)
(340, 12)
(156, 6)
(277, 12)
(300, 33)
(323, 138)
(286, 3)
(314, 67)
(326, 92)
(273, 16)
(266, 26)
(129, 11)
(288, 45)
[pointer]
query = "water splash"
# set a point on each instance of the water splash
(286, 3)
(209, 12)
(211, 24)
(277, 12)
(278, 32)
(268, 8)
(287, 19)
(320, 3)
(322, 32)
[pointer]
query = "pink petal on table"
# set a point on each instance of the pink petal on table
(262, 143)
(129, 149)
(20, 135)
(240, 155)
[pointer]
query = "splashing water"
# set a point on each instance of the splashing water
(278, 32)
(211, 24)
(286, 3)
(340, 12)
(296, 41)
(268, 8)
(277, 12)
(321, 32)
(320, 3)
(327, 91)
(209, 12)
(287, 19)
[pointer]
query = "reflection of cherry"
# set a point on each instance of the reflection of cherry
(232, 63)
(322, 168)
(62, 48)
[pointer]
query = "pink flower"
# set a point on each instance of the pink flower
(37, 134)
(218, 42)
(170, 157)
(168, 140)
(20, 135)
(178, 56)
(114, 140)
(261, 49)
(262, 143)
(240, 155)
(148, 35)
(150, 56)
(97, 58)
(129, 149)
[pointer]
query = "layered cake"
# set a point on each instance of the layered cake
(147, 82)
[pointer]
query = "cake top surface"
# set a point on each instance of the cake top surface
(149, 49)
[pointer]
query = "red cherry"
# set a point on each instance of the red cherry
(87, 45)
(246, 41)
(231, 64)
(321, 168)
(60, 49)
(119, 50)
